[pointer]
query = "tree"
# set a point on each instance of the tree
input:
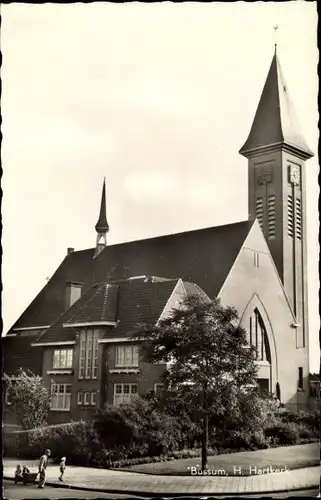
(30, 400)
(211, 363)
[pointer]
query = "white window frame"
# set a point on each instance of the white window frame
(93, 398)
(158, 384)
(60, 399)
(95, 355)
(79, 398)
(82, 355)
(88, 354)
(57, 356)
(86, 398)
(122, 396)
(127, 356)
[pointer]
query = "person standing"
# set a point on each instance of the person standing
(62, 468)
(42, 468)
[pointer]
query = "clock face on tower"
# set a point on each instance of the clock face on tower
(295, 175)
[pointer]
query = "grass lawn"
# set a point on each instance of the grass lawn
(292, 457)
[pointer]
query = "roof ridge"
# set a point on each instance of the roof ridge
(161, 236)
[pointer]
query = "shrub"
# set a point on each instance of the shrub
(252, 413)
(136, 430)
(283, 433)
(311, 420)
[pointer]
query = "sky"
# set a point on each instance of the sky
(158, 98)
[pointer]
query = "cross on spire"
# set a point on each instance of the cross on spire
(276, 27)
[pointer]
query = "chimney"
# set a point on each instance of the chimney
(70, 250)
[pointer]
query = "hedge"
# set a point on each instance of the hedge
(76, 440)
(82, 444)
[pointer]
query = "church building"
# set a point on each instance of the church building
(77, 332)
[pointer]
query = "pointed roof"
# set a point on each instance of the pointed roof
(102, 224)
(203, 256)
(275, 121)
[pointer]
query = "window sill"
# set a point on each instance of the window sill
(65, 371)
(124, 370)
(59, 409)
(262, 363)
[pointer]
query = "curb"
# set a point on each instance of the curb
(151, 495)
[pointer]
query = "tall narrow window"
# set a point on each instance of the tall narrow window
(82, 355)
(298, 219)
(259, 210)
(88, 355)
(271, 216)
(93, 398)
(95, 355)
(300, 378)
(290, 216)
(86, 398)
(79, 398)
(258, 337)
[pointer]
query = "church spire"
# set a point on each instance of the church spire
(275, 122)
(102, 227)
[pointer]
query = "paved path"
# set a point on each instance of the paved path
(19, 492)
(142, 484)
(294, 457)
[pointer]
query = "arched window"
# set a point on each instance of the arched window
(258, 337)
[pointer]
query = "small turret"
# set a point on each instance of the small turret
(102, 227)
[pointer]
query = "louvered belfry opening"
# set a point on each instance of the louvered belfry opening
(290, 216)
(271, 216)
(298, 217)
(259, 211)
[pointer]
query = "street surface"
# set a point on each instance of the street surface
(18, 492)
(12, 491)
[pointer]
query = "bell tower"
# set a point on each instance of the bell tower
(276, 153)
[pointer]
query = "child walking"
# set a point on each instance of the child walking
(62, 468)
(18, 474)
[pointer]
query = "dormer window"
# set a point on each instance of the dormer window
(73, 293)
